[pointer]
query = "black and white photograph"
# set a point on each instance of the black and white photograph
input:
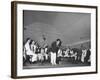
(56, 39)
(53, 39)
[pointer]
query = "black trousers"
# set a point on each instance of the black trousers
(58, 59)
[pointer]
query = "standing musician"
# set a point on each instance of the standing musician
(54, 51)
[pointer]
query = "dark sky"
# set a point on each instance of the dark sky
(69, 27)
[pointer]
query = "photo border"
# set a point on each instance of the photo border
(14, 38)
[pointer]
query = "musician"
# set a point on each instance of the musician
(87, 56)
(54, 48)
(27, 50)
(33, 47)
(26, 47)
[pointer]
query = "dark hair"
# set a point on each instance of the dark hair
(59, 41)
(27, 39)
(30, 42)
(46, 46)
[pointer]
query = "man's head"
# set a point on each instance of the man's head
(58, 42)
(28, 40)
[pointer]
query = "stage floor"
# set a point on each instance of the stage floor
(65, 62)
